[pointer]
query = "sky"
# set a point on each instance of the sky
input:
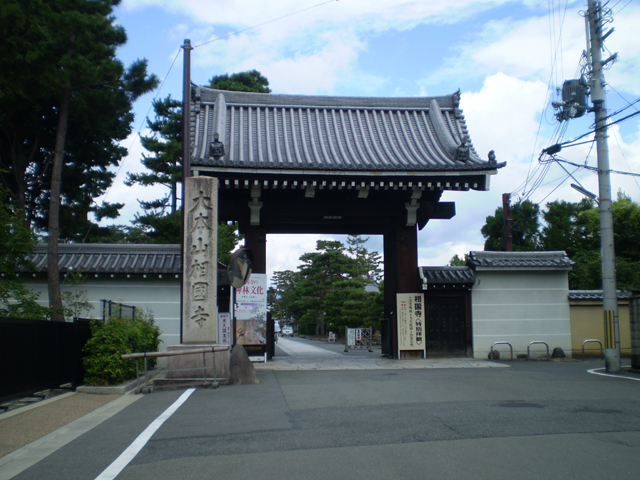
(508, 58)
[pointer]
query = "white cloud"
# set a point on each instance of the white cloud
(121, 193)
(318, 52)
(626, 42)
(503, 116)
(284, 251)
(374, 14)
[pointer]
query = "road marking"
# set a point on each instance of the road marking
(594, 371)
(27, 456)
(113, 470)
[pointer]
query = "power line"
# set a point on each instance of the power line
(104, 196)
(263, 23)
(593, 169)
(625, 6)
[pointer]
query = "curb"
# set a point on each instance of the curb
(120, 389)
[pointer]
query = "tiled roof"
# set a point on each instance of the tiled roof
(113, 258)
(519, 260)
(594, 295)
(443, 277)
(289, 132)
(117, 258)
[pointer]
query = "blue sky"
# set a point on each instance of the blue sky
(506, 57)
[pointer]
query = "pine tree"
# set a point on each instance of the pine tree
(66, 102)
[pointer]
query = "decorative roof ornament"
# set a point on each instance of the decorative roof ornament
(216, 148)
(492, 157)
(457, 111)
(462, 152)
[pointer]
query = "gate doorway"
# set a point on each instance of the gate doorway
(447, 296)
(448, 325)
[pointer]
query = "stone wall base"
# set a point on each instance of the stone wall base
(190, 365)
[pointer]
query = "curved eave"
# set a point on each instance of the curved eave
(331, 134)
(345, 173)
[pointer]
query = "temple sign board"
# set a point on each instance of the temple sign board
(411, 322)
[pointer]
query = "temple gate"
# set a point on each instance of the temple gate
(336, 165)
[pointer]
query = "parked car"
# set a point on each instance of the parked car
(287, 331)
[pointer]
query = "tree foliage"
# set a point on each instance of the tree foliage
(102, 361)
(327, 293)
(249, 81)
(67, 104)
(16, 244)
(49, 47)
(524, 228)
(160, 221)
(575, 228)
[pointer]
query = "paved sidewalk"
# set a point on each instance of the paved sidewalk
(356, 362)
(303, 354)
(29, 434)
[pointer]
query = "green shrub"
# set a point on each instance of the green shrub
(102, 363)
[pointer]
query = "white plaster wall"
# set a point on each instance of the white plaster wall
(160, 296)
(520, 307)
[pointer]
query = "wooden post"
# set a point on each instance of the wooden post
(400, 271)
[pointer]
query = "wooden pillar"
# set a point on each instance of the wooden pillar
(255, 239)
(400, 275)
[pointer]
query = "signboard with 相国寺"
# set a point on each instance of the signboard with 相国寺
(411, 322)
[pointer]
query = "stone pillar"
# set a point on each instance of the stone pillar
(200, 262)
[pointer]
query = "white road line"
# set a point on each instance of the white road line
(113, 470)
(594, 371)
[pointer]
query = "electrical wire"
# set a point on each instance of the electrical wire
(263, 23)
(146, 117)
(629, 104)
(554, 56)
(615, 135)
(105, 195)
(625, 6)
(594, 169)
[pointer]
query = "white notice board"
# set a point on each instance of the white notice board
(411, 322)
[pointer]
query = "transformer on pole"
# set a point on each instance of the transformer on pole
(609, 290)
(573, 105)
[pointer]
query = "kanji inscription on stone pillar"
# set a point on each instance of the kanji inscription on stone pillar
(199, 288)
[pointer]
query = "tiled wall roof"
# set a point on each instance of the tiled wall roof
(113, 258)
(519, 260)
(594, 295)
(442, 277)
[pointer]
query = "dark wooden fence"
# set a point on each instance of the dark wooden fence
(37, 355)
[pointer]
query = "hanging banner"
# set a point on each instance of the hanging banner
(411, 320)
(250, 311)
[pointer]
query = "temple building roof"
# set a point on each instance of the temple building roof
(239, 131)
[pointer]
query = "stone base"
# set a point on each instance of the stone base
(189, 366)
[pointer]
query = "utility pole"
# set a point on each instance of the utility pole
(507, 219)
(186, 161)
(609, 290)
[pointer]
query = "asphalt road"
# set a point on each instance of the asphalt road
(532, 420)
